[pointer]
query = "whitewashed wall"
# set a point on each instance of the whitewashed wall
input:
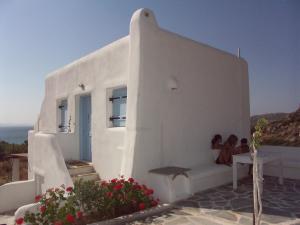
(98, 71)
(291, 161)
(47, 166)
(174, 127)
(16, 194)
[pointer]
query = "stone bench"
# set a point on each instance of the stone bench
(172, 183)
(211, 175)
(175, 183)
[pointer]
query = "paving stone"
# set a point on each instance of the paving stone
(202, 221)
(225, 215)
(191, 211)
(241, 203)
(245, 221)
(221, 203)
(275, 216)
(187, 204)
(178, 221)
(281, 204)
(247, 212)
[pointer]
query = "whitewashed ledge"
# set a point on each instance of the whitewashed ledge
(135, 216)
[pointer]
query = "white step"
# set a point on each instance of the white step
(81, 170)
(86, 177)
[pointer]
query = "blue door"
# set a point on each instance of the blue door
(85, 128)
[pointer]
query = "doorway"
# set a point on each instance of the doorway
(85, 134)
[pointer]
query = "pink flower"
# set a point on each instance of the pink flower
(131, 180)
(70, 218)
(69, 189)
(19, 221)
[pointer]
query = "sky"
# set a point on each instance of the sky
(39, 36)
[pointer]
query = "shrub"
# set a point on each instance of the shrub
(89, 195)
(57, 206)
(125, 196)
(90, 202)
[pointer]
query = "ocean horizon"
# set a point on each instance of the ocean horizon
(14, 134)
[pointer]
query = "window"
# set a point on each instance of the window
(118, 109)
(63, 114)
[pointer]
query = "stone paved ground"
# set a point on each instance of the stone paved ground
(222, 205)
(7, 218)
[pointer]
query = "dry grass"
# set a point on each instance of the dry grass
(6, 171)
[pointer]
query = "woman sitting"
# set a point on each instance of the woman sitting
(216, 145)
(227, 151)
(216, 142)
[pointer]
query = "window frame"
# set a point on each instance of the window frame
(62, 108)
(111, 99)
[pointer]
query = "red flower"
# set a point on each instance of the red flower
(79, 214)
(19, 221)
(137, 187)
(118, 187)
(142, 206)
(131, 180)
(114, 180)
(69, 189)
(38, 198)
(58, 223)
(148, 192)
(70, 218)
(103, 183)
(154, 203)
(43, 209)
(109, 194)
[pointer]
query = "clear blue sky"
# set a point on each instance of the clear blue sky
(38, 36)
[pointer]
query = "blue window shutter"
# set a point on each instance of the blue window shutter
(119, 107)
(63, 115)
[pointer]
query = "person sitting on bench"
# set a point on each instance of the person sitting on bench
(227, 151)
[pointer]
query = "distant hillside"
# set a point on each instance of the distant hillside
(282, 129)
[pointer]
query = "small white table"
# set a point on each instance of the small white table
(262, 158)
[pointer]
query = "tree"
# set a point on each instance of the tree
(257, 177)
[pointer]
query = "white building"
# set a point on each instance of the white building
(151, 100)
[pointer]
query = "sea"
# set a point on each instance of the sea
(14, 134)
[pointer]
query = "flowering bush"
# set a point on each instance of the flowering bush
(90, 201)
(125, 196)
(57, 206)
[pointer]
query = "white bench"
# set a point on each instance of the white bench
(202, 177)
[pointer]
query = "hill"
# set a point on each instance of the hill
(282, 129)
